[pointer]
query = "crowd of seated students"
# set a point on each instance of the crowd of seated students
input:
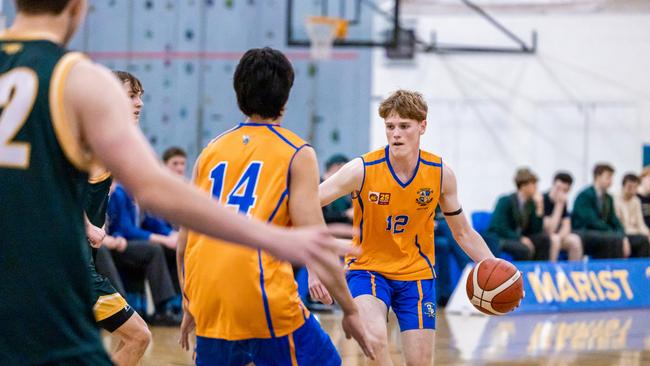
(140, 246)
(529, 225)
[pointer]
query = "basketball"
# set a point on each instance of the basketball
(494, 286)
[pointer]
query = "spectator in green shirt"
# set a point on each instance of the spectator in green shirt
(518, 220)
(594, 218)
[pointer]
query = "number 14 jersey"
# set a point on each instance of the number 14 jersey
(238, 293)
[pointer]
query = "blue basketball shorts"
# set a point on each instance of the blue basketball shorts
(414, 302)
(307, 345)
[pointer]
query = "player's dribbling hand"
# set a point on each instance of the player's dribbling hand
(187, 327)
(317, 290)
(353, 328)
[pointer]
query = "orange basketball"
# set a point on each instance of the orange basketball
(495, 286)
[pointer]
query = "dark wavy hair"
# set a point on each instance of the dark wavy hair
(564, 177)
(263, 80)
(41, 6)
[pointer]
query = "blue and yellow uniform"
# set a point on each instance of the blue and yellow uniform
(395, 221)
(244, 301)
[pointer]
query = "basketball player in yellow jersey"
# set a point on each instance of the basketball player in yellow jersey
(397, 190)
(245, 302)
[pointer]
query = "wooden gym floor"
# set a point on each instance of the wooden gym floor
(618, 338)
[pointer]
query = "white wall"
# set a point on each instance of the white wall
(583, 98)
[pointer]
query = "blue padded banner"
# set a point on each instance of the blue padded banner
(604, 284)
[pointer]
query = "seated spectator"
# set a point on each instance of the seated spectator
(341, 209)
(143, 251)
(594, 218)
(644, 194)
(557, 222)
(517, 220)
(175, 159)
(628, 210)
(125, 220)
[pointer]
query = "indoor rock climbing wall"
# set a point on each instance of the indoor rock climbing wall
(185, 52)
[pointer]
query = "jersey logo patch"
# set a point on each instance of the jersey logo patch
(424, 196)
(429, 309)
(379, 198)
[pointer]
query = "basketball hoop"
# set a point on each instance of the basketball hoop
(323, 31)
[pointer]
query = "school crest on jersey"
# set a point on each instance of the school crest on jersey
(424, 196)
(379, 198)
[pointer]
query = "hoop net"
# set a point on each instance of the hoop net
(322, 32)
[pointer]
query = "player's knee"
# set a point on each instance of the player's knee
(379, 334)
(141, 337)
(380, 338)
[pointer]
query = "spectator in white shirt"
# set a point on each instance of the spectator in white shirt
(628, 210)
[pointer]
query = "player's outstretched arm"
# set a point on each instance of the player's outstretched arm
(304, 209)
(97, 109)
(471, 242)
(347, 180)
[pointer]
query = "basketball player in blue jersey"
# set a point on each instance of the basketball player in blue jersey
(59, 112)
(397, 190)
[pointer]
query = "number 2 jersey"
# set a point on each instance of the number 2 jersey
(235, 292)
(46, 302)
(395, 218)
